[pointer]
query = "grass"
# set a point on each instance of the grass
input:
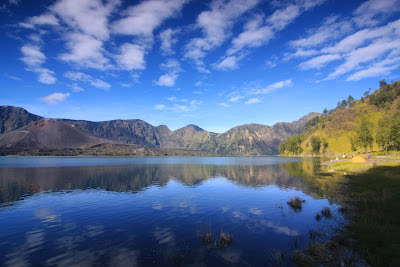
(225, 239)
(296, 204)
(326, 212)
(375, 223)
(370, 199)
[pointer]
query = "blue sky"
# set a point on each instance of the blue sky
(216, 64)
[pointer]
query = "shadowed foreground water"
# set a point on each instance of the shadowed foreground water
(154, 211)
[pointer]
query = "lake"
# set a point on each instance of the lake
(157, 211)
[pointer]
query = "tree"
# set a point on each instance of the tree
(315, 144)
(344, 103)
(384, 133)
(324, 144)
(350, 100)
(325, 112)
(364, 136)
(353, 143)
(367, 92)
(382, 83)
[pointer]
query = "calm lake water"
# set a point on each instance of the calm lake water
(153, 211)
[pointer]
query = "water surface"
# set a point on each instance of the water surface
(153, 211)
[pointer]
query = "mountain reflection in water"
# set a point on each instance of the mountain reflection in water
(153, 214)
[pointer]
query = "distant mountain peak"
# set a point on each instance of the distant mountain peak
(192, 127)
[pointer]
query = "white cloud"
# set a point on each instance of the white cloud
(34, 58)
(235, 99)
(173, 68)
(79, 76)
(377, 69)
(168, 40)
(253, 101)
(100, 84)
(172, 98)
(131, 57)
(319, 61)
(44, 19)
(76, 88)
(168, 79)
(54, 98)
(191, 106)
(259, 30)
(216, 25)
(142, 19)
(371, 12)
(46, 76)
(224, 104)
(188, 106)
(283, 17)
(88, 16)
(159, 106)
(271, 87)
(228, 63)
(332, 28)
(85, 51)
(365, 54)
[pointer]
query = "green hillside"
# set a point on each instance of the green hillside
(372, 122)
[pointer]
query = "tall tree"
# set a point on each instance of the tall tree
(382, 83)
(364, 135)
(350, 100)
(315, 144)
(384, 133)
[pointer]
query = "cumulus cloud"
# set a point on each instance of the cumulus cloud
(332, 28)
(46, 76)
(216, 25)
(131, 57)
(44, 19)
(85, 51)
(76, 88)
(82, 77)
(370, 12)
(168, 39)
(88, 16)
(259, 30)
(168, 79)
(252, 101)
(271, 87)
(364, 47)
(228, 63)
(319, 61)
(142, 19)
(55, 98)
(34, 58)
(191, 106)
(159, 106)
(377, 69)
(173, 68)
(224, 104)
(235, 98)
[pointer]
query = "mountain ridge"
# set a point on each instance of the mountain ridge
(248, 139)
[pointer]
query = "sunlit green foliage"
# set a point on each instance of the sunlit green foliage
(364, 135)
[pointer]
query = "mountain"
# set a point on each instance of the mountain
(12, 118)
(340, 128)
(249, 139)
(46, 133)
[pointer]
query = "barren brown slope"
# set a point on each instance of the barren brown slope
(47, 134)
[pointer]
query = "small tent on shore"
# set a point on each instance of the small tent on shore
(357, 159)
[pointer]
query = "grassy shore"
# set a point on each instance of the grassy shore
(370, 197)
